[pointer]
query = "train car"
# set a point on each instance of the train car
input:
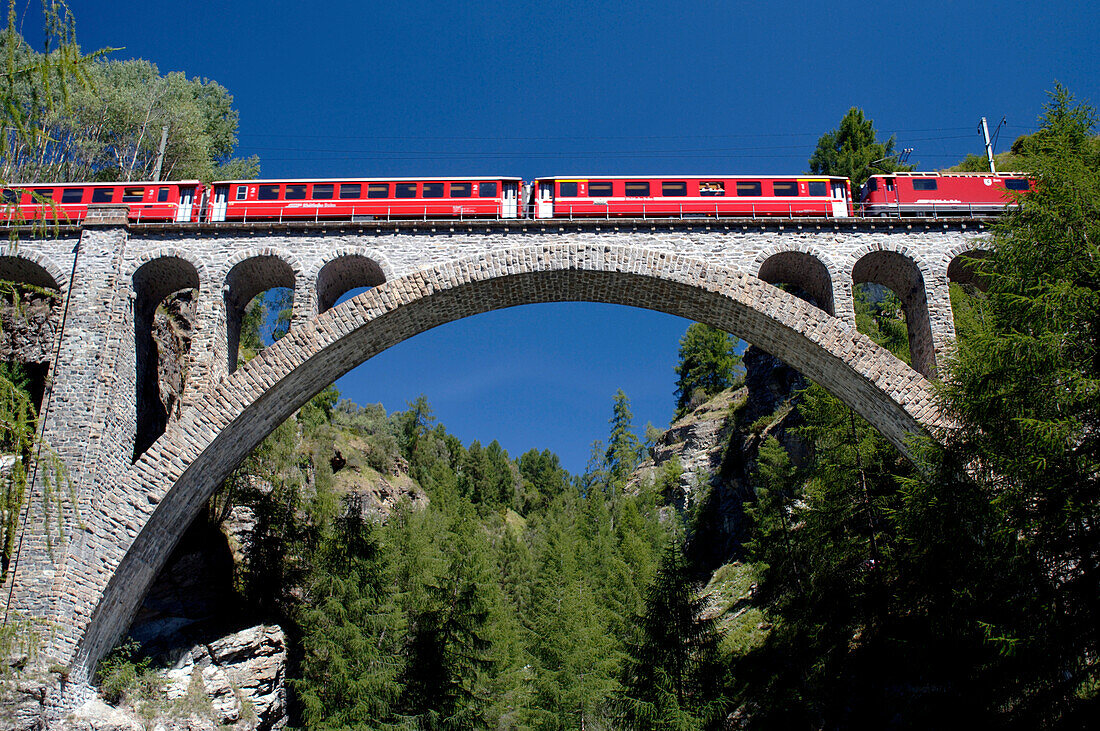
(941, 194)
(179, 200)
(365, 199)
(676, 196)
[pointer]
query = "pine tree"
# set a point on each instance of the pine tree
(1025, 390)
(624, 450)
(446, 682)
(348, 625)
(708, 364)
(673, 678)
(853, 151)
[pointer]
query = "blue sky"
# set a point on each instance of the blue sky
(343, 88)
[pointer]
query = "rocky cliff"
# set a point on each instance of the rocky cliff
(716, 445)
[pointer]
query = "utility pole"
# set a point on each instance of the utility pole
(988, 146)
(164, 144)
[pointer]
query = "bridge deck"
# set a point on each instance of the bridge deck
(549, 225)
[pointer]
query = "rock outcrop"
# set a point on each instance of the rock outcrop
(236, 681)
(716, 446)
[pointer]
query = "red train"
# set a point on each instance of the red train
(940, 194)
(665, 196)
(365, 199)
(180, 200)
(676, 196)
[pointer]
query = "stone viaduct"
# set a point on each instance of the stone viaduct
(136, 489)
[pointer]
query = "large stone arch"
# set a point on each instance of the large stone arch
(146, 510)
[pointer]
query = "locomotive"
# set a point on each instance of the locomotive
(503, 197)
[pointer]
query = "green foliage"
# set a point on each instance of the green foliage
(882, 319)
(707, 365)
(109, 126)
(854, 152)
(673, 678)
(348, 668)
(125, 674)
(1026, 389)
(624, 450)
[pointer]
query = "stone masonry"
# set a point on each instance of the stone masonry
(129, 514)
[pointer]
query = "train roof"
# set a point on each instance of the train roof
(700, 176)
(471, 178)
(104, 183)
(917, 174)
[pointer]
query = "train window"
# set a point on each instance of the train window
(378, 190)
(103, 195)
(295, 192)
(487, 190)
(872, 185)
(924, 184)
(712, 187)
(785, 187)
(45, 194)
(162, 195)
(461, 190)
(350, 190)
(268, 193)
(133, 195)
(1017, 184)
(637, 189)
(10, 197)
(567, 190)
(433, 190)
(674, 187)
(405, 190)
(599, 188)
(322, 191)
(818, 188)
(72, 195)
(242, 192)
(749, 187)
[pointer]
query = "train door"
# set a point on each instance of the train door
(890, 194)
(546, 199)
(509, 205)
(187, 202)
(221, 201)
(840, 199)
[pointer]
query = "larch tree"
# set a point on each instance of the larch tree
(708, 364)
(853, 151)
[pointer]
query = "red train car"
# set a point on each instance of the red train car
(936, 194)
(679, 195)
(179, 200)
(365, 199)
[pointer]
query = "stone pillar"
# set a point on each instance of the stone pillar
(90, 425)
(844, 300)
(941, 318)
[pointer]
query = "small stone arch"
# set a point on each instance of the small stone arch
(961, 269)
(153, 281)
(30, 267)
(246, 278)
(29, 333)
(805, 271)
(344, 272)
(899, 271)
